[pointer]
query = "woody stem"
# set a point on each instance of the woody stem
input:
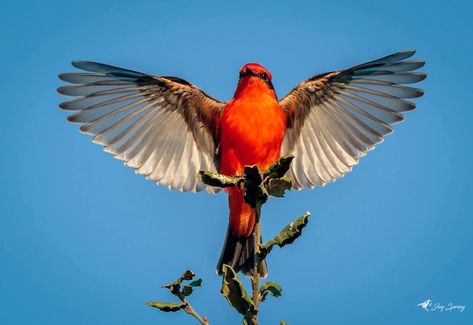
(255, 276)
(191, 311)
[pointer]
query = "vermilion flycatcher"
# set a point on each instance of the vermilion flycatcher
(168, 129)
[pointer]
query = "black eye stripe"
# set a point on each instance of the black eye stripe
(248, 72)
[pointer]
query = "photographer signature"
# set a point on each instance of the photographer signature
(428, 305)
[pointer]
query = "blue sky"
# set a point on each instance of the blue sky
(83, 240)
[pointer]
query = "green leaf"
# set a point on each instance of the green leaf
(280, 168)
(196, 283)
(187, 290)
(278, 186)
(286, 236)
(271, 288)
(254, 189)
(234, 291)
(175, 286)
(218, 180)
(283, 322)
(167, 306)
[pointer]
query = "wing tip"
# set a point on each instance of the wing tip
(409, 51)
(79, 64)
(420, 93)
(421, 75)
(66, 106)
(61, 90)
(63, 76)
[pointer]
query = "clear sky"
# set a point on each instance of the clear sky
(83, 240)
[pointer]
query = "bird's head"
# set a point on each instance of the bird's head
(255, 70)
(256, 76)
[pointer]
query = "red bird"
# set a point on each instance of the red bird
(168, 129)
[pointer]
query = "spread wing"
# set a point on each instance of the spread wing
(164, 127)
(334, 118)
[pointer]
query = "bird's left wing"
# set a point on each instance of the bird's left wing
(164, 127)
(334, 118)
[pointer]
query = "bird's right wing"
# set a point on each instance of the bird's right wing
(164, 127)
(334, 118)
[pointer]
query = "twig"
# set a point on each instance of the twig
(191, 311)
(255, 276)
(181, 290)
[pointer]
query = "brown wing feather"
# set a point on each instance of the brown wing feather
(334, 118)
(164, 127)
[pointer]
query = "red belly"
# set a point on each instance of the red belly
(251, 133)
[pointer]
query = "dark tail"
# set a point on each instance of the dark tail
(239, 253)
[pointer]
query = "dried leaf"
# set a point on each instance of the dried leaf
(188, 275)
(286, 236)
(167, 306)
(234, 291)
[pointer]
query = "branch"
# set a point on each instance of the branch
(181, 291)
(258, 186)
(191, 311)
(255, 276)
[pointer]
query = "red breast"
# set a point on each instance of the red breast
(252, 128)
